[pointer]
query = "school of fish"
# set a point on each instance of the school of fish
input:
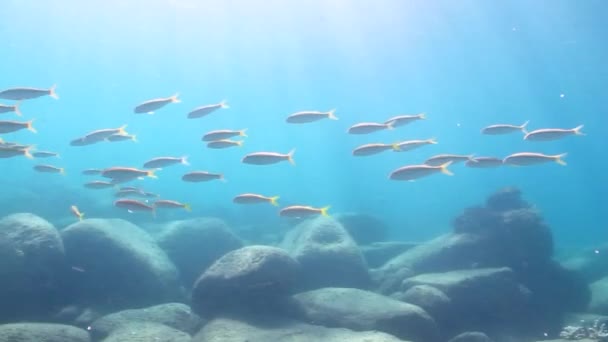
(135, 199)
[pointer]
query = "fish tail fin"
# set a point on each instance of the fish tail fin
(28, 153)
(122, 130)
(184, 160)
(332, 114)
(432, 141)
(444, 168)
(422, 116)
(390, 125)
(134, 138)
(224, 104)
(222, 178)
(395, 147)
(274, 200)
(577, 130)
(30, 126)
(243, 132)
(80, 216)
(240, 143)
(175, 98)
(151, 174)
(290, 156)
(53, 93)
(187, 207)
(62, 171)
(17, 110)
(523, 127)
(560, 159)
(324, 211)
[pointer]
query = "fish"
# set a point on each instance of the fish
(134, 205)
(121, 137)
(413, 144)
(402, 120)
(201, 111)
(10, 152)
(99, 185)
(223, 134)
(134, 193)
(441, 159)
(202, 176)
(103, 134)
(369, 127)
(131, 188)
(45, 154)
(504, 129)
(549, 134)
(255, 199)
(83, 142)
(224, 143)
(10, 109)
(45, 168)
(532, 158)
(123, 173)
(267, 158)
(168, 204)
(484, 162)
(148, 107)
(74, 209)
(23, 93)
(13, 126)
(303, 211)
(91, 172)
(375, 148)
(413, 172)
(310, 116)
(160, 162)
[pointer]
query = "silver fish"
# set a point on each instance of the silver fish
(150, 106)
(311, 116)
(549, 134)
(504, 129)
(201, 111)
(413, 172)
(532, 158)
(23, 93)
(267, 158)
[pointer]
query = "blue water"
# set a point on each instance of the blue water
(467, 64)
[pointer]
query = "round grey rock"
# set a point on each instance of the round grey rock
(328, 255)
(431, 299)
(32, 260)
(471, 337)
(147, 332)
(175, 315)
(248, 277)
(271, 329)
(193, 245)
(42, 332)
(361, 310)
(118, 265)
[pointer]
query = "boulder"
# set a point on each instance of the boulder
(471, 337)
(378, 253)
(361, 310)
(252, 277)
(363, 228)
(193, 245)
(429, 298)
(117, 265)
(32, 261)
(328, 255)
(266, 329)
(444, 253)
(42, 332)
(599, 297)
(174, 315)
(147, 332)
(480, 298)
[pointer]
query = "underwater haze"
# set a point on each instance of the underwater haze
(466, 64)
(348, 195)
